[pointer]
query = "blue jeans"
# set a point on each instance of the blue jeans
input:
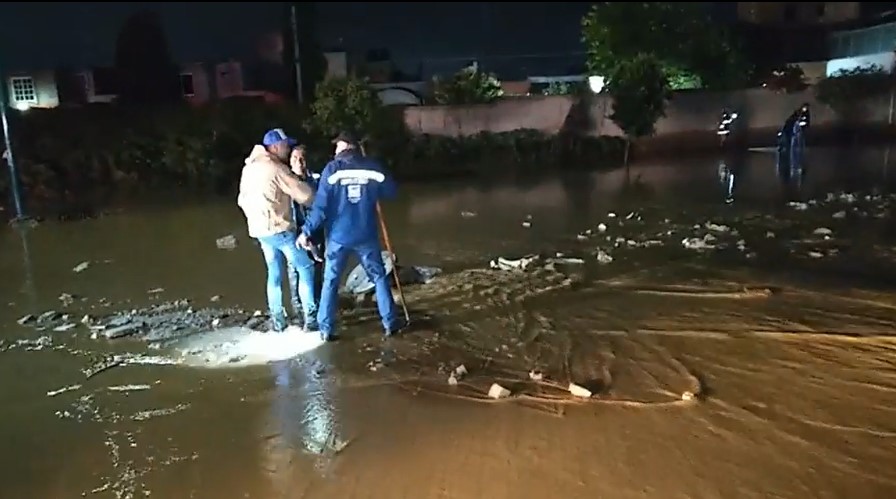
(372, 261)
(301, 277)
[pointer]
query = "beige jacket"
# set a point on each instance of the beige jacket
(267, 189)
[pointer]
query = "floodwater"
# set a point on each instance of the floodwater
(793, 373)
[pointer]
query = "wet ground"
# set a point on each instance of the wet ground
(732, 349)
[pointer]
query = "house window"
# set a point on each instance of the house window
(186, 84)
(23, 89)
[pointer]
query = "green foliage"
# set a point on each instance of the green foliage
(787, 79)
(344, 104)
(431, 156)
(639, 89)
(691, 48)
(844, 90)
(467, 86)
(67, 155)
(564, 88)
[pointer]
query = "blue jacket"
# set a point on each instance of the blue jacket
(345, 205)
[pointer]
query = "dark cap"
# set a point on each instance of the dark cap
(346, 137)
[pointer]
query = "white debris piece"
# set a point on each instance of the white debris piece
(460, 370)
(53, 393)
(226, 243)
(467, 214)
(452, 380)
(498, 392)
(603, 257)
(128, 388)
(579, 391)
(601, 227)
(839, 215)
(536, 375)
(822, 231)
(699, 243)
(687, 396)
(502, 263)
(81, 267)
(64, 327)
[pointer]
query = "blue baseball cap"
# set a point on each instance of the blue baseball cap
(277, 135)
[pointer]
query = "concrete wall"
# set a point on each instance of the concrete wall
(687, 112)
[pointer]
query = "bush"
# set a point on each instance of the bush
(428, 156)
(67, 156)
(787, 79)
(467, 86)
(846, 90)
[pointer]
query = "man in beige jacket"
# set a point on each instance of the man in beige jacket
(267, 189)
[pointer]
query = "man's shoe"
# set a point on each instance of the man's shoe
(310, 326)
(328, 337)
(279, 325)
(396, 328)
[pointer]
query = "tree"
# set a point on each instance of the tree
(146, 72)
(470, 85)
(789, 79)
(344, 104)
(639, 88)
(692, 50)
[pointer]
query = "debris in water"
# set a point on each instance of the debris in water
(226, 243)
(603, 257)
(155, 291)
(502, 263)
(467, 214)
(128, 388)
(26, 319)
(536, 375)
(102, 365)
(579, 391)
(65, 327)
(687, 396)
(53, 393)
(498, 392)
(81, 267)
(154, 413)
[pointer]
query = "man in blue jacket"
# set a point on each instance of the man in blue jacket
(350, 187)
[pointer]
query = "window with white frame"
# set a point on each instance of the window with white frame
(186, 85)
(23, 89)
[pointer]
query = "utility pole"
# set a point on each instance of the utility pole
(9, 157)
(295, 50)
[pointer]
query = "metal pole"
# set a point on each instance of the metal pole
(10, 161)
(295, 50)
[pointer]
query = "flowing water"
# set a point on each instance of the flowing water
(764, 370)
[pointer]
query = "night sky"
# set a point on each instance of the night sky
(49, 35)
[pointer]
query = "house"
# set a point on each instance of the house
(863, 43)
(200, 83)
(27, 89)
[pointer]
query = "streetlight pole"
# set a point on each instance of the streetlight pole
(9, 157)
(295, 49)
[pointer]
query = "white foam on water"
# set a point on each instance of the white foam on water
(240, 347)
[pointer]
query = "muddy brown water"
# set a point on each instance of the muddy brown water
(795, 381)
